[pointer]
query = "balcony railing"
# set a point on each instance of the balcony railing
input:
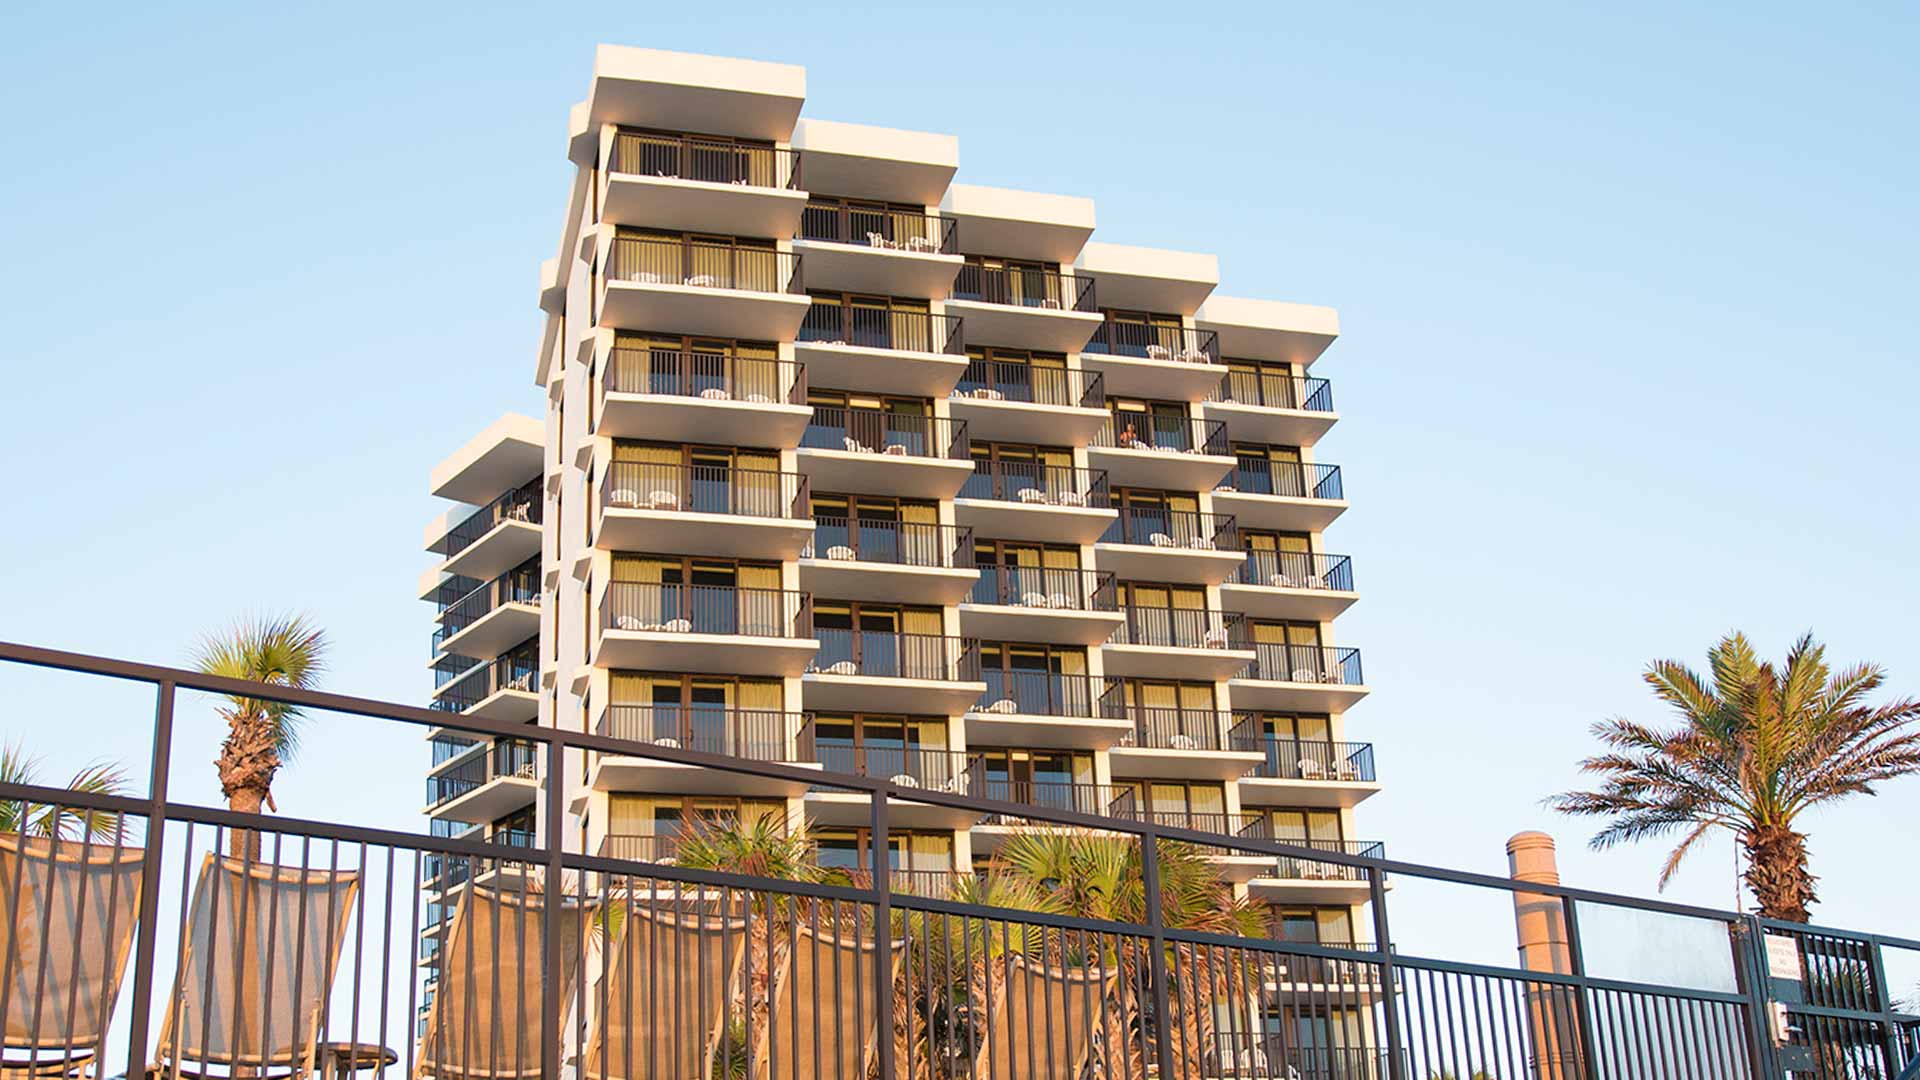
(1050, 693)
(521, 504)
(933, 884)
(517, 586)
(838, 538)
(1290, 868)
(908, 766)
(1181, 343)
(1277, 662)
(710, 376)
(1273, 391)
(712, 161)
(1127, 430)
(508, 757)
(877, 431)
(706, 609)
(649, 261)
(1181, 628)
(1024, 288)
(704, 489)
(1111, 800)
(1303, 759)
(1275, 1055)
(830, 323)
(888, 654)
(1218, 822)
(753, 734)
(1296, 570)
(1037, 484)
(1172, 727)
(890, 230)
(451, 667)
(517, 670)
(997, 380)
(1155, 527)
(1052, 588)
(1297, 479)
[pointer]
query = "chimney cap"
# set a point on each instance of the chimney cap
(1530, 840)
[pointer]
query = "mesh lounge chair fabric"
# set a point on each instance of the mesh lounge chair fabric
(662, 1004)
(65, 945)
(1042, 1026)
(261, 947)
(485, 1020)
(823, 1020)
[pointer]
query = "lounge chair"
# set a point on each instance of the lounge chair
(1041, 1027)
(65, 946)
(484, 1023)
(256, 969)
(662, 1005)
(823, 1016)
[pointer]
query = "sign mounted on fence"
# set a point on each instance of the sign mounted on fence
(1783, 958)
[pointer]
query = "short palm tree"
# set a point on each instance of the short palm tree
(285, 650)
(1756, 747)
(25, 819)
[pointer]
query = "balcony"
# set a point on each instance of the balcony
(711, 509)
(885, 252)
(701, 397)
(701, 185)
(693, 287)
(1308, 773)
(1294, 496)
(705, 628)
(493, 618)
(1285, 410)
(1175, 742)
(1172, 453)
(889, 671)
(1312, 586)
(506, 689)
(880, 349)
(888, 561)
(876, 452)
(1106, 800)
(749, 734)
(495, 538)
(940, 770)
(1179, 546)
(1174, 641)
(1310, 881)
(484, 784)
(1014, 402)
(1048, 709)
(1024, 309)
(1147, 360)
(1307, 678)
(1021, 500)
(1057, 605)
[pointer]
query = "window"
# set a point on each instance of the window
(869, 222)
(698, 595)
(1263, 469)
(880, 640)
(871, 423)
(927, 853)
(1183, 805)
(651, 363)
(878, 528)
(885, 745)
(653, 256)
(1062, 779)
(659, 822)
(1289, 651)
(1016, 375)
(1314, 925)
(1262, 382)
(1173, 715)
(1169, 616)
(1151, 425)
(871, 321)
(1152, 335)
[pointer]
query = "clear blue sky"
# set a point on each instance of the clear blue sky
(1628, 299)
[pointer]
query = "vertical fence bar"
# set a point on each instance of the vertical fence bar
(878, 852)
(1577, 961)
(1396, 1052)
(1882, 1003)
(1156, 943)
(150, 878)
(553, 993)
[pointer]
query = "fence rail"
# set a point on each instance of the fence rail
(881, 229)
(712, 161)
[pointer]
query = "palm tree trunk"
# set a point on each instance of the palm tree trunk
(1777, 872)
(244, 843)
(246, 765)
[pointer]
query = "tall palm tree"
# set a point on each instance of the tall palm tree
(21, 818)
(1756, 747)
(285, 650)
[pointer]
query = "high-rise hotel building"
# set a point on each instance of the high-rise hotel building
(844, 463)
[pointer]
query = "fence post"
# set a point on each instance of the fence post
(1577, 962)
(1389, 984)
(1751, 969)
(552, 981)
(1157, 959)
(878, 851)
(1883, 1004)
(150, 865)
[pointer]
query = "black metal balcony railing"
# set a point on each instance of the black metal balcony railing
(1034, 483)
(838, 538)
(704, 489)
(1128, 430)
(710, 376)
(1296, 570)
(754, 734)
(1297, 479)
(1111, 800)
(1024, 288)
(934, 884)
(997, 380)
(520, 585)
(451, 668)
(1277, 662)
(831, 323)
(1172, 727)
(1181, 343)
(650, 261)
(896, 230)
(888, 654)
(1155, 527)
(636, 847)
(521, 504)
(908, 766)
(517, 670)
(1181, 628)
(706, 609)
(1274, 391)
(712, 161)
(1053, 588)
(1291, 759)
(1050, 693)
(877, 431)
(1218, 822)
(507, 758)
(1292, 868)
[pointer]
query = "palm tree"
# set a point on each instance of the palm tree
(66, 822)
(285, 650)
(1756, 747)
